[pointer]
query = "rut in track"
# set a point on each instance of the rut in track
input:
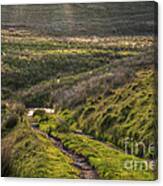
(79, 161)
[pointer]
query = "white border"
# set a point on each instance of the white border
(64, 182)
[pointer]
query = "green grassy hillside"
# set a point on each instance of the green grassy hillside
(32, 155)
(103, 92)
(128, 112)
(109, 162)
(39, 71)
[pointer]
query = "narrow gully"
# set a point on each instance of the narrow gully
(79, 161)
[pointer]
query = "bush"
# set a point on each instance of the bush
(39, 112)
(18, 108)
(11, 121)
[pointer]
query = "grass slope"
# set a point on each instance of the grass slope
(31, 155)
(129, 112)
(25, 55)
(108, 162)
(103, 87)
(83, 19)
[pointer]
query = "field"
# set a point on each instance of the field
(93, 101)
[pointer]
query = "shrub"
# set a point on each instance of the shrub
(18, 108)
(11, 121)
(39, 112)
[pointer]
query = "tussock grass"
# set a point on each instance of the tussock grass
(101, 87)
(28, 154)
(108, 162)
(25, 55)
(129, 112)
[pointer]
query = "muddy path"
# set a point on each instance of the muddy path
(79, 161)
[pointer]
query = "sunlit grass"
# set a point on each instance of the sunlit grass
(32, 155)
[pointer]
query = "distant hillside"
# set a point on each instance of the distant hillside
(104, 19)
